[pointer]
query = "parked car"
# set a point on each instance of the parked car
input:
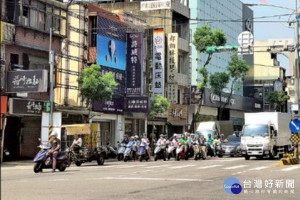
(232, 146)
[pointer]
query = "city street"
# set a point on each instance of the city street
(151, 180)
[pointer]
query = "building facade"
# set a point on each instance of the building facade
(167, 68)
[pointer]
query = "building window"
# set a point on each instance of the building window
(14, 61)
(178, 96)
(93, 36)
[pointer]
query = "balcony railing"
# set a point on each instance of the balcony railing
(183, 44)
(180, 8)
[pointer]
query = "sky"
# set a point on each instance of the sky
(267, 30)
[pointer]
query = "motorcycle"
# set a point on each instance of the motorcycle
(210, 151)
(171, 151)
(180, 152)
(128, 153)
(121, 150)
(143, 154)
(199, 151)
(218, 150)
(160, 152)
(88, 155)
(43, 161)
(111, 152)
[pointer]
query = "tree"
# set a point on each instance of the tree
(203, 38)
(158, 105)
(237, 69)
(277, 99)
(94, 86)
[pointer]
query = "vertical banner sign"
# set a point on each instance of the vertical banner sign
(134, 69)
(158, 61)
(172, 68)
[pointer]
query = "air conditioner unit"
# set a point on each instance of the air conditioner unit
(25, 21)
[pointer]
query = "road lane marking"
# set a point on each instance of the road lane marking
(259, 168)
(235, 167)
(156, 166)
(211, 166)
(153, 179)
(130, 166)
(180, 167)
(224, 160)
(54, 180)
(290, 168)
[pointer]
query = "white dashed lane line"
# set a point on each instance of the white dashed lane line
(236, 167)
(210, 166)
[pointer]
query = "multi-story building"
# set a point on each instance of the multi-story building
(265, 76)
(167, 37)
(25, 61)
(209, 13)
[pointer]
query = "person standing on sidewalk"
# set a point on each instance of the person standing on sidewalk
(55, 147)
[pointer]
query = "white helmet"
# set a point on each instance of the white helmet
(175, 135)
(54, 134)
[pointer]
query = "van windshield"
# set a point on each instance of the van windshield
(255, 130)
(205, 133)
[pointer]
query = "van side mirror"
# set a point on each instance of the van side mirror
(275, 133)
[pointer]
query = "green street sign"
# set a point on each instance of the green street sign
(47, 106)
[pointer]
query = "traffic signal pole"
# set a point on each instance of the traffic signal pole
(51, 62)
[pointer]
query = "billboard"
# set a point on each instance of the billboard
(111, 47)
(134, 69)
(119, 76)
(25, 107)
(172, 67)
(158, 78)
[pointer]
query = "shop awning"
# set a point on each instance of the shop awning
(80, 129)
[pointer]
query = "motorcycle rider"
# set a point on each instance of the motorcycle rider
(126, 139)
(55, 147)
(77, 143)
(175, 140)
(202, 143)
(184, 141)
(211, 143)
(135, 146)
(161, 141)
(145, 140)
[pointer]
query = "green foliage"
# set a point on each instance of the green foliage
(204, 37)
(278, 98)
(95, 86)
(203, 82)
(237, 68)
(218, 81)
(158, 105)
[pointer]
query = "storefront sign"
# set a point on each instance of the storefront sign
(115, 106)
(25, 107)
(216, 99)
(155, 5)
(172, 69)
(119, 76)
(134, 68)
(158, 78)
(137, 104)
(3, 102)
(27, 81)
(195, 95)
(177, 114)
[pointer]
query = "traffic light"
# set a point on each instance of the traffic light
(47, 106)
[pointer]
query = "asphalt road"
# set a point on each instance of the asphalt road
(187, 180)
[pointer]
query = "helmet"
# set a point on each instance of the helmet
(174, 135)
(144, 134)
(161, 135)
(54, 134)
(136, 136)
(209, 135)
(132, 137)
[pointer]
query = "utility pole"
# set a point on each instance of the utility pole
(297, 56)
(51, 100)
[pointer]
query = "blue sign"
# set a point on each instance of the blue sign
(295, 126)
(111, 52)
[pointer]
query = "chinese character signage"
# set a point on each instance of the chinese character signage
(137, 104)
(134, 69)
(119, 76)
(27, 81)
(25, 107)
(111, 43)
(155, 5)
(172, 92)
(158, 78)
(172, 57)
(114, 106)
